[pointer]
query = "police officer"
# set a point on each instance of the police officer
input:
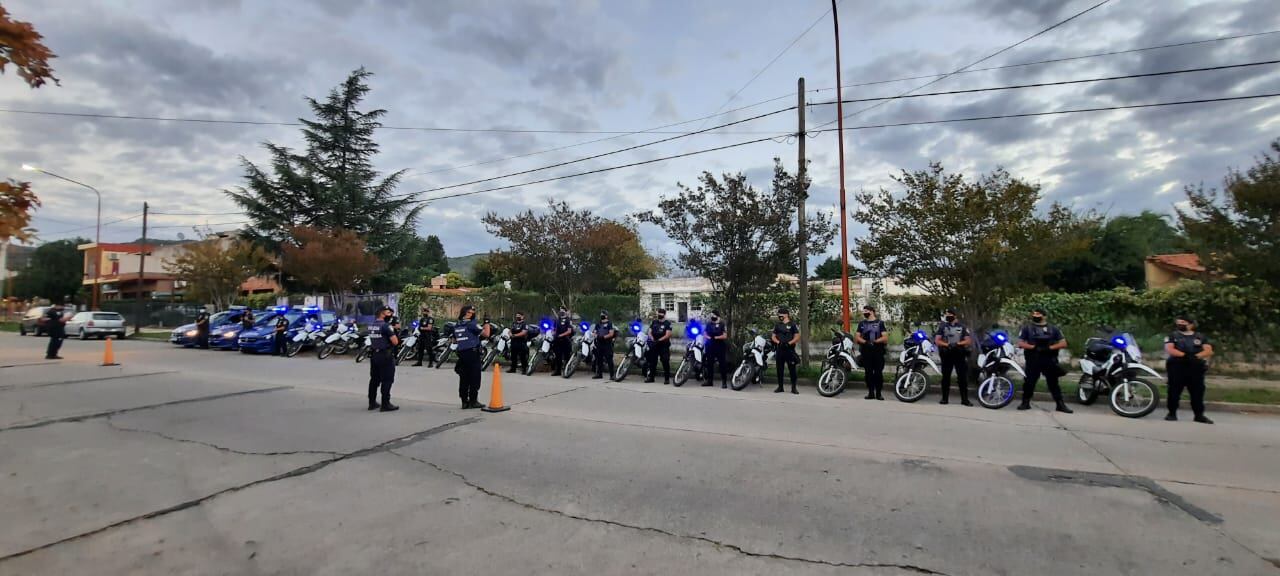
(953, 340)
(202, 330)
(1189, 352)
(383, 340)
(246, 321)
(55, 325)
(519, 344)
(467, 334)
(426, 337)
(785, 336)
(660, 333)
(872, 337)
(560, 345)
(605, 335)
(278, 342)
(1040, 342)
(717, 350)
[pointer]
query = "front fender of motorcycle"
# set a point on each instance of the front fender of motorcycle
(1135, 367)
(1014, 365)
(848, 359)
(928, 362)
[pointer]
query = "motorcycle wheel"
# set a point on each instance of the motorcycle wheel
(292, 349)
(623, 369)
(832, 381)
(682, 374)
(323, 351)
(911, 386)
(489, 357)
(572, 366)
(1142, 398)
(444, 357)
(744, 375)
(533, 363)
(361, 354)
(1087, 390)
(401, 354)
(995, 392)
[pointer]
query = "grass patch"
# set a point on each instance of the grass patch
(8, 326)
(153, 336)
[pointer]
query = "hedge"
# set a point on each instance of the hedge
(501, 304)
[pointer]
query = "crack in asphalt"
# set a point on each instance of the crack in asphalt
(1161, 494)
(109, 413)
(387, 446)
(533, 400)
(111, 423)
(716, 543)
(101, 379)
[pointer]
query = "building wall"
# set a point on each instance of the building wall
(1160, 277)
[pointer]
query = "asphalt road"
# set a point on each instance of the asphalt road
(195, 462)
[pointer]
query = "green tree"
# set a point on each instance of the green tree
(1236, 231)
(739, 237)
(483, 273)
(215, 267)
(829, 269)
(55, 270)
(423, 260)
(1116, 253)
(333, 184)
(974, 243)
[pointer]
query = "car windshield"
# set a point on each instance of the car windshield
(219, 318)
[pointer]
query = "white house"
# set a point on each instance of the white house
(681, 297)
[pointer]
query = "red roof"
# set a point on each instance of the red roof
(1185, 263)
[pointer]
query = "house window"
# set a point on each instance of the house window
(655, 301)
(670, 300)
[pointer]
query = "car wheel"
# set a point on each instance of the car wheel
(82, 335)
(22, 330)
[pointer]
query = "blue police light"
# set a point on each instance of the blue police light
(636, 327)
(546, 326)
(1119, 342)
(415, 323)
(919, 336)
(280, 309)
(585, 326)
(1000, 337)
(694, 329)
(311, 309)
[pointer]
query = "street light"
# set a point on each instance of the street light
(97, 235)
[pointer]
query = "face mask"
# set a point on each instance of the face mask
(866, 315)
(1183, 327)
(951, 318)
(662, 316)
(1037, 319)
(715, 318)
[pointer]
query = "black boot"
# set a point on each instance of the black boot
(1062, 407)
(793, 388)
(1025, 405)
(779, 390)
(373, 405)
(1203, 419)
(597, 376)
(418, 363)
(387, 406)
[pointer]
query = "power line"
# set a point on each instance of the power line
(1056, 83)
(153, 213)
(980, 60)
(866, 127)
(601, 155)
(104, 224)
(202, 224)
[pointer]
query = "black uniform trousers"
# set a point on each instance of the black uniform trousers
(717, 354)
(278, 346)
(426, 345)
(55, 343)
(786, 357)
(1186, 373)
(468, 370)
(382, 373)
(560, 349)
(1037, 365)
(519, 355)
(958, 361)
(202, 338)
(604, 357)
(872, 360)
(659, 352)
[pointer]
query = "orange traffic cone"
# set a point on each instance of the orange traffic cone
(108, 358)
(495, 392)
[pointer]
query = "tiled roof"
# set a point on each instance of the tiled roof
(1185, 263)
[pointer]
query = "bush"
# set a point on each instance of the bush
(258, 301)
(500, 304)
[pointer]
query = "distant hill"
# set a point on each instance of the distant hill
(463, 264)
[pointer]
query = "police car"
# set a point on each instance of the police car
(227, 336)
(185, 335)
(261, 338)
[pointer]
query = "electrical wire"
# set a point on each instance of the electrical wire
(104, 224)
(155, 213)
(866, 127)
(197, 224)
(978, 61)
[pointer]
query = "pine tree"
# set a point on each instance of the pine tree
(332, 184)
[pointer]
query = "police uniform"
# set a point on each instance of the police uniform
(660, 350)
(872, 356)
(202, 330)
(278, 343)
(955, 357)
(466, 333)
(246, 321)
(519, 346)
(382, 365)
(426, 339)
(561, 343)
(1041, 360)
(56, 327)
(1186, 372)
(605, 335)
(717, 353)
(786, 355)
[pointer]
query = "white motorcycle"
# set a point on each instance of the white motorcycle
(910, 380)
(757, 354)
(996, 388)
(541, 347)
(637, 352)
(584, 347)
(694, 354)
(445, 346)
(312, 334)
(366, 347)
(499, 346)
(342, 339)
(408, 344)
(839, 362)
(1115, 365)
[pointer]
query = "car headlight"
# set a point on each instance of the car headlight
(228, 334)
(191, 332)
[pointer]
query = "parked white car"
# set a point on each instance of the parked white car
(99, 324)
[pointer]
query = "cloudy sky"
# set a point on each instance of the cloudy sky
(612, 65)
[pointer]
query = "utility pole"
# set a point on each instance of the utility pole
(844, 216)
(139, 308)
(802, 232)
